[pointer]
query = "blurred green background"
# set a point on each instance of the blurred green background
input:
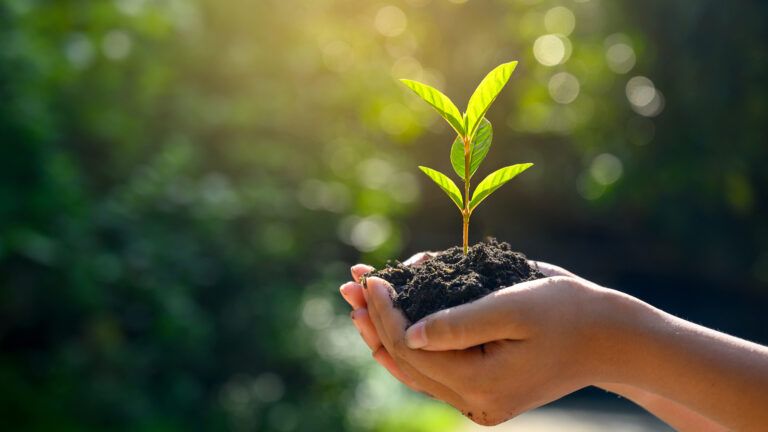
(184, 184)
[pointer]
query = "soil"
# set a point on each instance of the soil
(451, 278)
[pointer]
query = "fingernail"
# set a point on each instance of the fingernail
(378, 288)
(360, 269)
(377, 283)
(372, 282)
(416, 335)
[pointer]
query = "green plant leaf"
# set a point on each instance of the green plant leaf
(480, 145)
(486, 93)
(446, 185)
(494, 181)
(440, 102)
(457, 156)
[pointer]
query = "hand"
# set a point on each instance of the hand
(352, 292)
(490, 383)
(674, 412)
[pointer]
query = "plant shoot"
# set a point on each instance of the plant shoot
(473, 140)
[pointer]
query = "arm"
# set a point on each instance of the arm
(549, 315)
(623, 341)
(721, 376)
(676, 415)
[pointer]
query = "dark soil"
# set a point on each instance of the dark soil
(451, 278)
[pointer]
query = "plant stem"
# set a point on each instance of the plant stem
(466, 213)
(465, 225)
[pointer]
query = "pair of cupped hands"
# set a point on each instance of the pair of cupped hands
(499, 356)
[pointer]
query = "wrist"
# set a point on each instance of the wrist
(618, 327)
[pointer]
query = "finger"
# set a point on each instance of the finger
(429, 385)
(364, 325)
(358, 270)
(385, 359)
(491, 318)
(419, 258)
(353, 294)
(550, 269)
(391, 324)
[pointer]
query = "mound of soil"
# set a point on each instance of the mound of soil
(451, 278)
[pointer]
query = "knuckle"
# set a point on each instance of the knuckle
(377, 352)
(559, 279)
(564, 283)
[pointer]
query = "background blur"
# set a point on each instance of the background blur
(184, 184)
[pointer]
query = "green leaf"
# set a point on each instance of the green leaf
(494, 181)
(440, 102)
(446, 185)
(486, 93)
(480, 145)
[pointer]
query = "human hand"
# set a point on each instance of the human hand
(490, 380)
(353, 293)
(608, 361)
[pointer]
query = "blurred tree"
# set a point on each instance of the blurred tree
(183, 183)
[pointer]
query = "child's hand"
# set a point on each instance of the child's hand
(530, 336)
(504, 354)
(353, 293)
(526, 345)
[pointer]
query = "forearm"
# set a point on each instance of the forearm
(676, 415)
(722, 377)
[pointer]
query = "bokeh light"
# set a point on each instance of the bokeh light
(116, 45)
(643, 96)
(186, 183)
(366, 234)
(621, 57)
(560, 20)
(563, 87)
(551, 49)
(407, 66)
(79, 50)
(606, 169)
(391, 21)
(640, 91)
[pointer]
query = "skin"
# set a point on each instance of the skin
(532, 343)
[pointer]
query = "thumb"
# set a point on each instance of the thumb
(460, 327)
(500, 315)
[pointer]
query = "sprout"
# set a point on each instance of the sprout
(470, 147)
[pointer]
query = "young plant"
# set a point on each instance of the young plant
(472, 143)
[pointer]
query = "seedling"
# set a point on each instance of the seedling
(470, 147)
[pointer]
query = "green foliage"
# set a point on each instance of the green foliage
(180, 182)
(473, 142)
(164, 223)
(432, 417)
(481, 143)
(494, 181)
(439, 102)
(486, 93)
(446, 184)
